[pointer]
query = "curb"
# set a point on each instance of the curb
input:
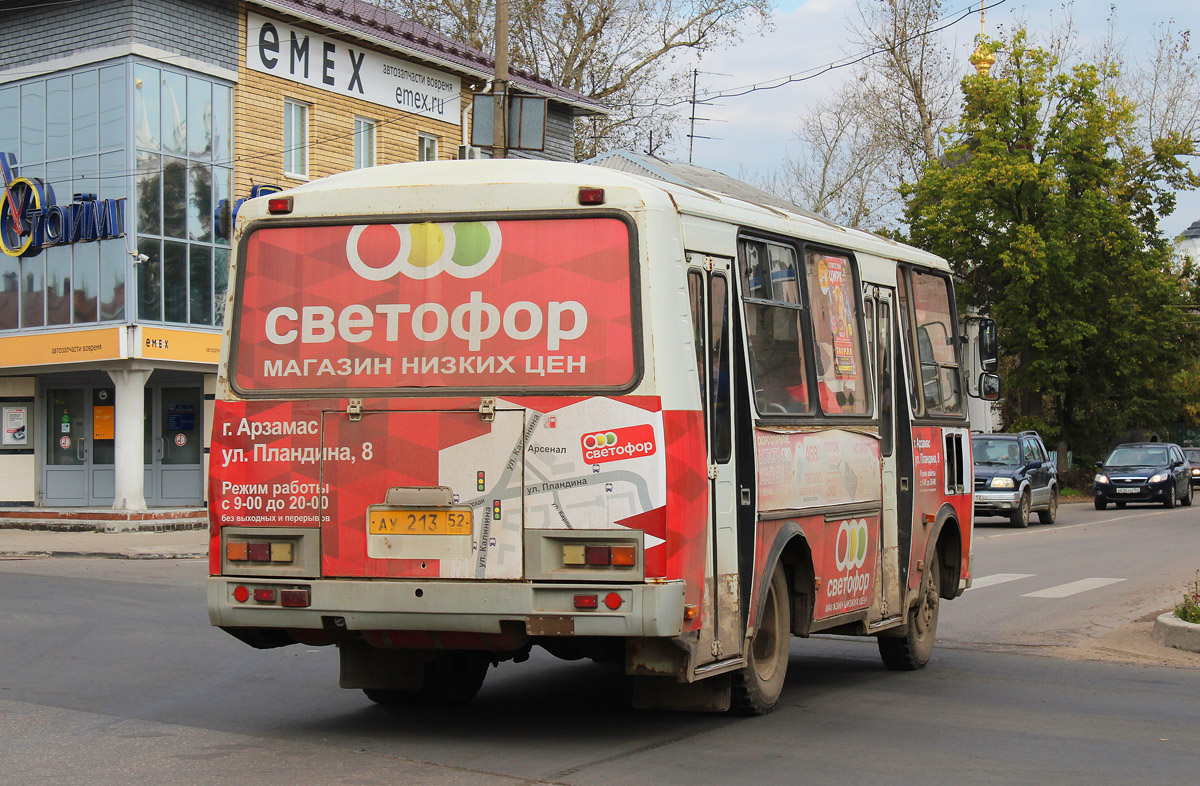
(1171, 631)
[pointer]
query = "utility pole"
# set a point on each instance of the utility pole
(500, 83)
(692, 127)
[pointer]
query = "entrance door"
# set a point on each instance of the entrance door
(67, 457)
(102, 447)
(881, 299)
(176, 440)
(79, 447)
(708, 283)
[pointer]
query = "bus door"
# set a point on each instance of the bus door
(880, 323)
(709, 291)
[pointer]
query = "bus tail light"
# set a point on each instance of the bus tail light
(294, 598)
(278, 206)
(591, 196)
(613, 600)
(599, 555)
(625, 556)
(260, 551)
(588, 601)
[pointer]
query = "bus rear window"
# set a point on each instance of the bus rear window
(457, 305)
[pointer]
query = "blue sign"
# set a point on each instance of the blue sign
(227, 219)
(30, 220)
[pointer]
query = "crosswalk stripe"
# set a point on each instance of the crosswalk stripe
(997, 578)
(1071, 588)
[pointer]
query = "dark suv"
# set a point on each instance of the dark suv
(1014, 476)
(1144, 472)
(1193, 457)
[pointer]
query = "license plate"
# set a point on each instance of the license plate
(1129, 491)
(419, 522)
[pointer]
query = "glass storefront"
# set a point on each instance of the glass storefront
(159, 137)
(171, 157)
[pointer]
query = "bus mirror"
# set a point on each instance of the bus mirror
(989, 387)
(989, 345)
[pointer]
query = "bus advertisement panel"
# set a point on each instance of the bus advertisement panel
(466, 304)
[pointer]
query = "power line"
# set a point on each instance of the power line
(819, 70)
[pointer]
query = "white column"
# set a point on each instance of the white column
(129, 466)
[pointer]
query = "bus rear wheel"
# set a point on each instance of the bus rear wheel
(912, 650)
(758, 684)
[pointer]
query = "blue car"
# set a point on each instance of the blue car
(1014, 476)
(1144, 472)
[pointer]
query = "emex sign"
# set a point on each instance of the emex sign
(297, 55)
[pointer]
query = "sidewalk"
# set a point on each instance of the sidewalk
(179, 544)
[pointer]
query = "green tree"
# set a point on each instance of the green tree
(1048, 207)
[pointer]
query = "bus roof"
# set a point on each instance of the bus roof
(746, 208)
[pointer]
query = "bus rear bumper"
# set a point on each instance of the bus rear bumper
(645, 610)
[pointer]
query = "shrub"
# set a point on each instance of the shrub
(1189, 610)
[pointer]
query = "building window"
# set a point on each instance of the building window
(182, 129)
(295, 139)
(364, 143)
(427, 147)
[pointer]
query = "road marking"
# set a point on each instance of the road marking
(1072, 588)
(997, 578)
(1064, 528)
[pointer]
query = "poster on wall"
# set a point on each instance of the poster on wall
(103, 423)
(15, 420)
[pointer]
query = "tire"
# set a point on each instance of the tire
(758, 684)
(454, 679)
(1020, 516)
(1169, 502)
(1048, 515)
(912, 650)
(1187, 498)
(1101, 504)
(451, 680)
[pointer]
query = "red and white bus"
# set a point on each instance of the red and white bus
(465, 408)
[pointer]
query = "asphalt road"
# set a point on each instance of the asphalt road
(1086, 576)
(110, 674)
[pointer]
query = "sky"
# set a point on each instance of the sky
(752, 134)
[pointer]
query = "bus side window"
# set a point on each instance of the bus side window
(902, 308)
(841, 377)
(774, 327)
(938, 349)
(696, 299)
(886, 417)
(722, 423)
